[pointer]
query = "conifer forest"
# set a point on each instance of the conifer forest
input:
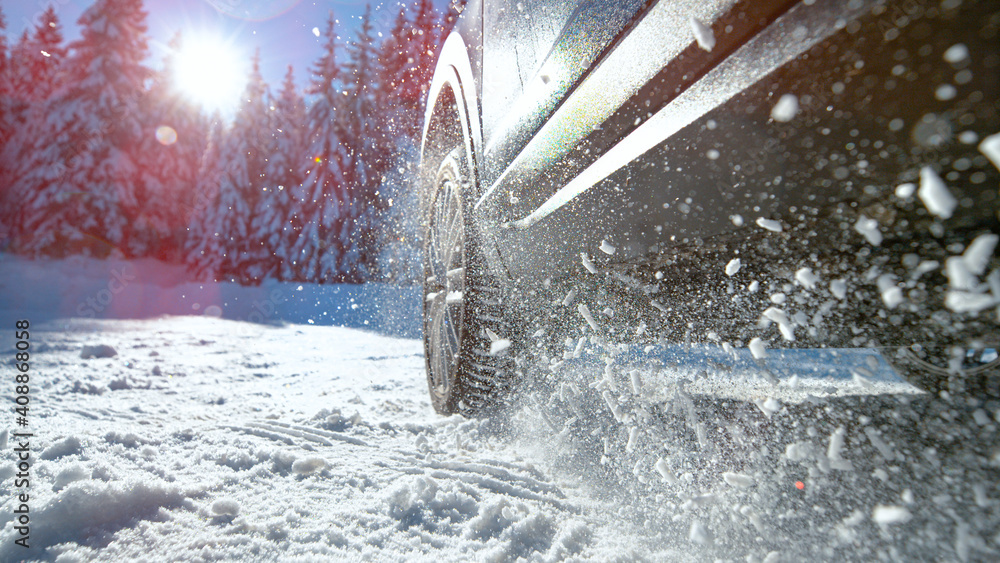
(102, 155)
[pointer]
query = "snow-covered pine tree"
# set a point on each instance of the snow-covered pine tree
(242, 182)
(425, 39)
(202, 245)
(367, 156)
(46, 55)
(76, 161)
(5, 125)
(315, 255)
(396, 115)
(35, 65)
(6, 129)
(173, 142)
(277, 217)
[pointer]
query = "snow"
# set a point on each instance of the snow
(935, 195)
(786, 108)
(703, 34)
(890, 514)
(969, 302)
(892, 294)
(990, 146)
(906, 191)
(499, 346)
(214, 436)
(807, 278)
(587, 316)
(732, 267)
(784, 325)
(869, 229)
(607, 247)
(769, 224)
(956, 53)
(960, 276)
(737, 480)
(977, 256)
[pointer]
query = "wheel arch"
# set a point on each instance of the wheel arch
(452, 113)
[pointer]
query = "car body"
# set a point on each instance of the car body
(844, 152)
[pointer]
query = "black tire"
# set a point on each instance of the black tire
(463, 304)
(934, 370)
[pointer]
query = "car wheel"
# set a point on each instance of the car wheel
(466, 336)
(957, 371)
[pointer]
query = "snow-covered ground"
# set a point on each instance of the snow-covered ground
(289, 422)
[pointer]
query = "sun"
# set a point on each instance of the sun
(210, 72)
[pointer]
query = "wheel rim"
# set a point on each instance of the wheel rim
(444, 284)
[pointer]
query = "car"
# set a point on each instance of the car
(811, 174)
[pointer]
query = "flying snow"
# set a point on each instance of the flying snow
(703, 34)
(935, 194)
(786, 108)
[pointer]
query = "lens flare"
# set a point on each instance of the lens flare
(166, 135)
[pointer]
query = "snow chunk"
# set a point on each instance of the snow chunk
(499, 346)
(869, 228)
(757, 348)
(700, 534)
(633, 439)
(768, 406)
(968, 302)
(935, 194)
(607, 247)
(568, 300)
(838, 288)
(635, 381)
(889, 514)
(308, 465)
(62, 448)
(737, 480)
(784, 326)
(585, 313)
(956, 269)
(703, 34)
(769, 224)
(225, 507)
(892, 294)
(906, 191)
(587, 263)
(664, 470)
(834, 450)
(733, 267)
(977, 255)
(956, 53)
(990, 146)
(807, 278)
(786, 108)
(98, 351)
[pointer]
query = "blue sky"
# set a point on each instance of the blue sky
(283, 29)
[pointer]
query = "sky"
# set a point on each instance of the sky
(282, 29)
